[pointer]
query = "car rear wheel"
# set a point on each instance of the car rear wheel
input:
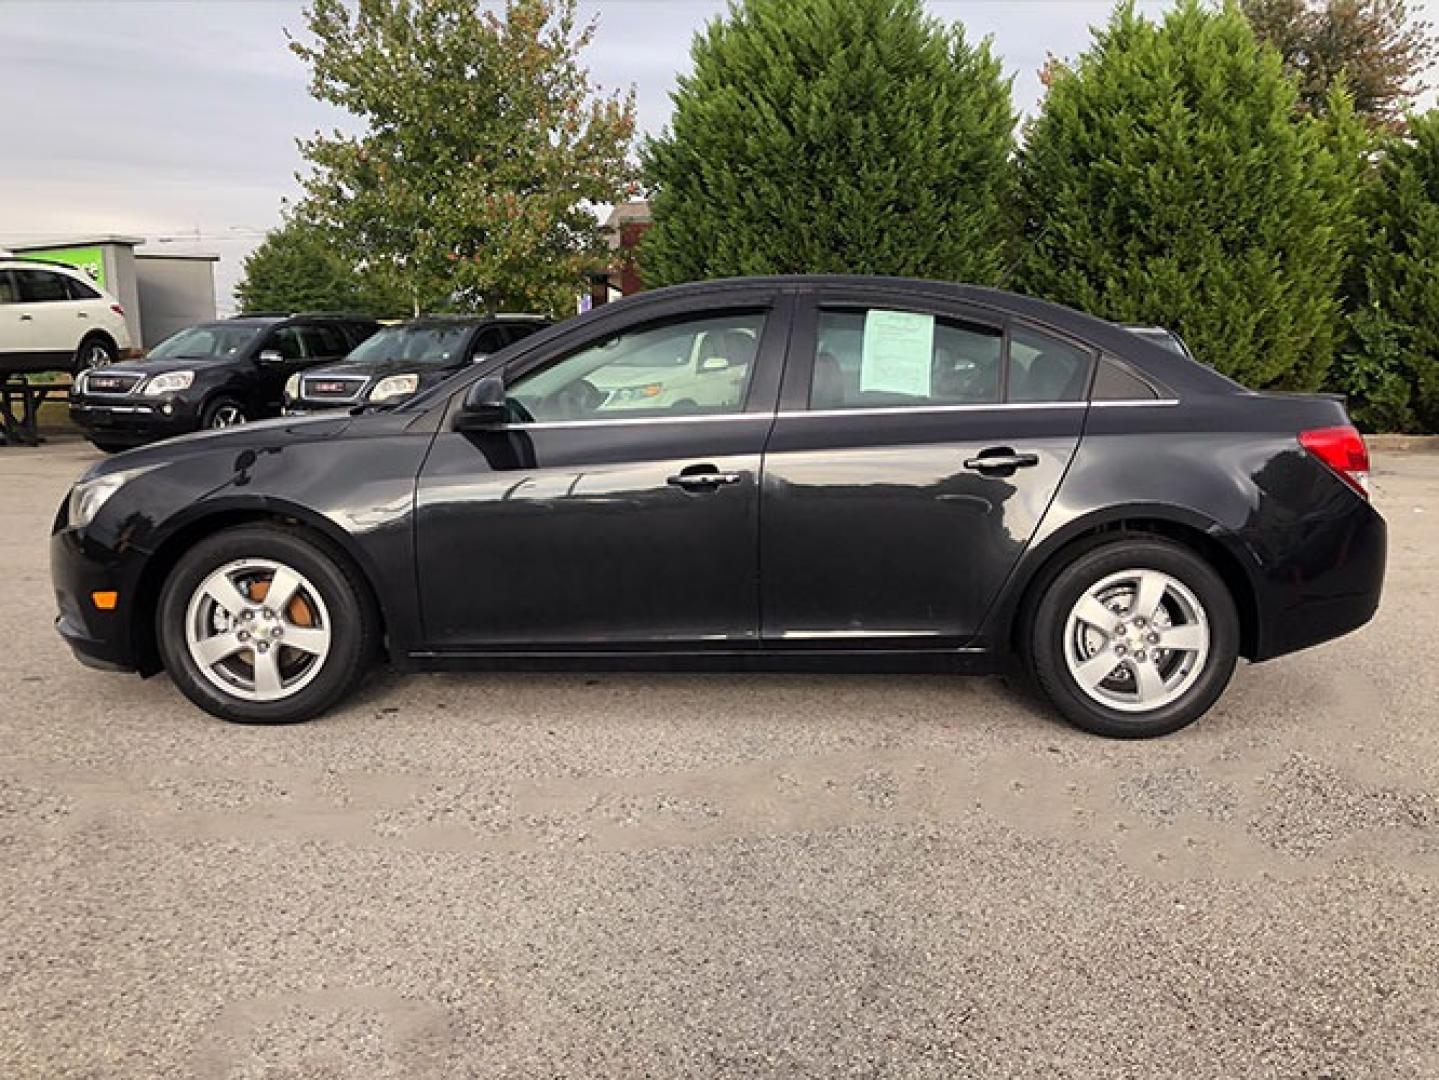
(94, 352)
(223, 413)
(263, 625)
(1134, 639)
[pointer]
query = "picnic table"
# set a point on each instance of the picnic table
(20, 399)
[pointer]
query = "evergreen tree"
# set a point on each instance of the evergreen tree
(1170, 179)
(818, 136)
(482, 144)
(1391, 370)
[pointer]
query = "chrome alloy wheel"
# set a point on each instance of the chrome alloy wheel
(1136, 641)
(227, 416)
(258, 630)
(95, 356)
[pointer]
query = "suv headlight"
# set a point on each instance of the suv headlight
(292, 388)
(172, 382)
(393, 386)
(88, 496)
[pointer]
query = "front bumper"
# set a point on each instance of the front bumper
(132, 421)
(78, 569)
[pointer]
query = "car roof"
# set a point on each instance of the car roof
(20, 262)
(468, 320)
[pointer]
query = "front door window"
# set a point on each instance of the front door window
(696, 367)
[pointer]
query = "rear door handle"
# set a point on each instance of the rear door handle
(1001, 459)
(702, 478)
(26, 317)
(81, 315)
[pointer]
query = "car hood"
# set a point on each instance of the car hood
(254, 437)
(381, 368)
(149, 367)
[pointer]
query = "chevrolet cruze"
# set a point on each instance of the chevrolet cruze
(884, 475)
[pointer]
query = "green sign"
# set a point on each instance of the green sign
(89, 260)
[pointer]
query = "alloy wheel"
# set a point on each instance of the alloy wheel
(95, 356)
(258, 630)
(1137, 640)
(227, 416)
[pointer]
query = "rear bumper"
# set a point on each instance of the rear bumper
(1327, 585)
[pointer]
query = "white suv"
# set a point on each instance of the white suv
(52, 318)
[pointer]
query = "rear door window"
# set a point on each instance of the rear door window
(324, 342)
(878, 358)
(9, 290)
(42, 286)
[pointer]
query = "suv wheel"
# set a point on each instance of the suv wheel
(223, 413)
(262, 625)
(1134, 639)
(94, 352)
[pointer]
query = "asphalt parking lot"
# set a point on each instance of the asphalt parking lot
(709, 876)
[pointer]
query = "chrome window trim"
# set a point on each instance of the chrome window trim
(905, 410)
(799, 414)
(629, 421)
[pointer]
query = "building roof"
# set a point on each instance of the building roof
(82, 240)
(201, 256)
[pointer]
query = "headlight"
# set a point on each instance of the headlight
(292, 387)
(172, 382)
(88, 496)
(393, 386)
(635, 393)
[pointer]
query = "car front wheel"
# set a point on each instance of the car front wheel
(1134, 639)
(265, 625)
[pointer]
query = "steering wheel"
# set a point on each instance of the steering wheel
(578, 400)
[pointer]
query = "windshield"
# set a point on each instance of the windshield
(205, 343)
(423, 346)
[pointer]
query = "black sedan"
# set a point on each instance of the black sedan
(407, 359)
(214, 375)
(840, 473)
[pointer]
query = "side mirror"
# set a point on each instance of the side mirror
(714, 363)
(271, 356)
(484, 405)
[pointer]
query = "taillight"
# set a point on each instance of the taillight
(118, 310)
(1342, 449)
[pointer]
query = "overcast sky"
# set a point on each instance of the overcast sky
(178, 120)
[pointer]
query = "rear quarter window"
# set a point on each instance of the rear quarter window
(1117, 382)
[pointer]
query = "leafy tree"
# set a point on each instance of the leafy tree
(832, 135)
(483, 141)
(1391, 370)
(297, 268)
(1170, 180)
(1377, 47)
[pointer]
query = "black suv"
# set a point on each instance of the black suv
(403, 360)
(213, 375)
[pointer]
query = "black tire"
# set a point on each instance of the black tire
(216, 408)
(1045, 637)
(105, 446)
(354, 624)
(94, 351)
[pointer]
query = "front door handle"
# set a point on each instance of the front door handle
(1001, 460)
(26, 317)
(702, 478)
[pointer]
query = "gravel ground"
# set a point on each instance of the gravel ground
(555, 875)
